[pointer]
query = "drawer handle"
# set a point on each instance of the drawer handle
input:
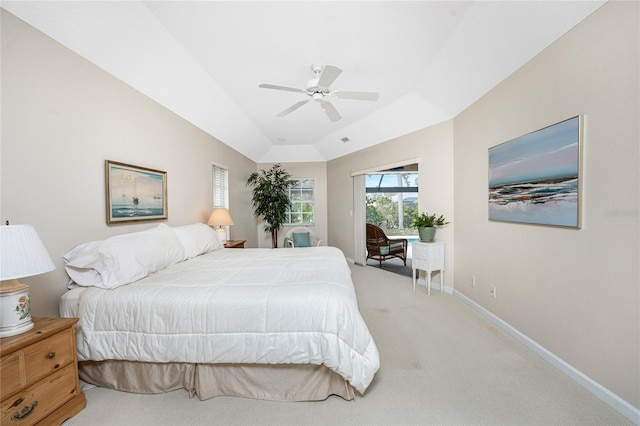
(51, 355)
(25, 411)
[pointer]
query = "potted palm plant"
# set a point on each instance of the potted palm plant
(270, 198)
(427, 225)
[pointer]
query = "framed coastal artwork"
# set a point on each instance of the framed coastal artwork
(134, 193)
(536, 178)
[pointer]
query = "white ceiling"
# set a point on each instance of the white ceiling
(204, 60)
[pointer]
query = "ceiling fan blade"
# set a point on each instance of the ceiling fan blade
(330, 110)
(360, 96)
(292, 108)
(329, 75)
(276, 87)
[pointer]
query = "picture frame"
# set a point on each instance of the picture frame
(134, 193)
(537, 178)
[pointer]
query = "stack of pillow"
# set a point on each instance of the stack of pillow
(126, 258)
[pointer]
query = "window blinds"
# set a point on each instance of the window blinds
(220, 186)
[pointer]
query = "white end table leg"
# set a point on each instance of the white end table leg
(428, 283)
(441, 281)
(414, 278)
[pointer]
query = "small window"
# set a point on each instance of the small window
(301, 196)
(220, 186)
(220, 180)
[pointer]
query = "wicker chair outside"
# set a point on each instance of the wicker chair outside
(380, 247)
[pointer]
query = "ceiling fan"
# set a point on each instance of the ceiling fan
(319, 88)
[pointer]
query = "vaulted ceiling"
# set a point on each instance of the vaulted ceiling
(204, 60)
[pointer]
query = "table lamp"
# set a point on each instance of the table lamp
(22, 254)
(220, 218)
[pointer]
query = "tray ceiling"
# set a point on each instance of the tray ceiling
(204, 60)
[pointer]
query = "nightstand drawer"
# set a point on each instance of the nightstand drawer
(420, 250)
(431, 255)
(37, 401)
(48, 355)
(12, 375)
(27, 366)
(421, 264)
(39, 374)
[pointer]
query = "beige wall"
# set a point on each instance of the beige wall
(62, 117)
(575, 292)
(433, 147)
(318, 172)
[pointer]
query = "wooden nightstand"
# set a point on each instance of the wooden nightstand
(39, 374)
(234, 243)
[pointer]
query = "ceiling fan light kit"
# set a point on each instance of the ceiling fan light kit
(319, 88)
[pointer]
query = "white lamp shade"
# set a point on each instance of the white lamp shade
(220, 217)
(22, 253)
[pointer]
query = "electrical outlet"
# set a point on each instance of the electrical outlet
(492, 290)
(473, 280)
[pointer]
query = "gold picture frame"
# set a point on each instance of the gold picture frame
(134, 193)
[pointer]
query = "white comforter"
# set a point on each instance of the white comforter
(265, 306)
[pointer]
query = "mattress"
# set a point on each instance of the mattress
(250, 306)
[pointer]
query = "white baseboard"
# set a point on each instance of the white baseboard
(611, 399)
(435, 286)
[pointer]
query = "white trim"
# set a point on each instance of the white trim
(222, 166)
(386, 166)
(434, 285)
(359, 220)
(605, 395)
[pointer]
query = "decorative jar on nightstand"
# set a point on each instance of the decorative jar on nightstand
(428, 257)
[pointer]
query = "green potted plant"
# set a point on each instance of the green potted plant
(427, 225)
(270, 198)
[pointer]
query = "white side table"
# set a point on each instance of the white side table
(428, 257)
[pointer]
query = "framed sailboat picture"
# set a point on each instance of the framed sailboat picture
(536, 178)
(134, 193)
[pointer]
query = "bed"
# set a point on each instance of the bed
(169, 308)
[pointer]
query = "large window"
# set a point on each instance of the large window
(301, 195)
(392, 200)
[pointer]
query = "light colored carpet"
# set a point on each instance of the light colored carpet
(441, 363)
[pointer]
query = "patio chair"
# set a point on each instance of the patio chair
(380, 247)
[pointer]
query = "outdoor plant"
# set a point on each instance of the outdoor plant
(270, 198)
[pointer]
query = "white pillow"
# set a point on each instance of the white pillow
(81, 255)
(81, 250)
(197, 239)
(126, 258)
